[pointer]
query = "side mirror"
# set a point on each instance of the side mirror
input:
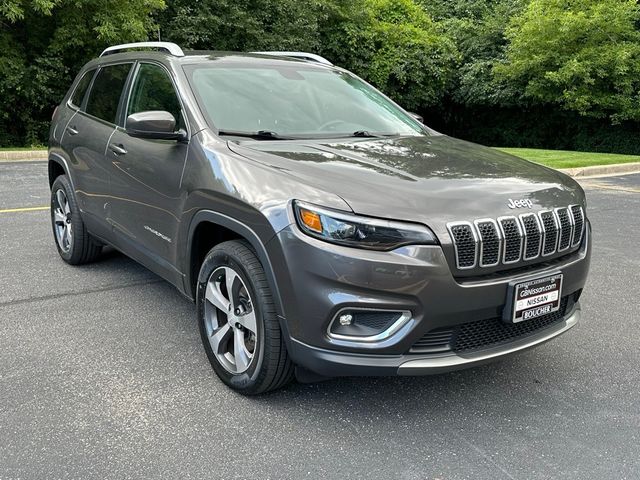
(417, 117)
(154, 124)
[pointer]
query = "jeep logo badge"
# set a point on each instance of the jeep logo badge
(525, 202)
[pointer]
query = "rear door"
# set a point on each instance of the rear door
(85, 140)
(146, 175)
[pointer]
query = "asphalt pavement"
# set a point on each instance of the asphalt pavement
(102, 375)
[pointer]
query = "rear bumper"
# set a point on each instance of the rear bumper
(339, 364)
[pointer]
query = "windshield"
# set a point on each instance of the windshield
(295, 100)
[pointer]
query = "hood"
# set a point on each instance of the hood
(431, 180)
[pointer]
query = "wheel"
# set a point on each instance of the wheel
(75, 245)
(238, 322)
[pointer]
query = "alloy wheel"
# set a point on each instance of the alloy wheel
(230, 320)
(62, 220)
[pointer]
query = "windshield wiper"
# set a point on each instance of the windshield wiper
(368, 134)
(259, 135)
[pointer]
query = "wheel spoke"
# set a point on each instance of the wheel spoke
(240, 353)
(69, 233)
(58, 216)
(230, 278)
(248, 321)
(220, 338)
(60, 197)
(215, 297)
(65, 236)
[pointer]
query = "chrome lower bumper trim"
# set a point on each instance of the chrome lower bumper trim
(451, 362)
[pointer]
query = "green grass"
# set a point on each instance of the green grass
(567, 159)
(18, 149)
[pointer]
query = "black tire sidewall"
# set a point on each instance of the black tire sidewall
(249, 380)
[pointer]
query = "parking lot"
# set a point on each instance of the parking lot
(102, 375)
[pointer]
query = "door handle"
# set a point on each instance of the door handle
(117, 149)
(72, 130)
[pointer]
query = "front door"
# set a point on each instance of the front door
(146, 176)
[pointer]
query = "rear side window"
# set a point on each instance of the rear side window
(105, 93)
(153, 90)
(81, 88)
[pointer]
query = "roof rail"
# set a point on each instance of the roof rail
(169, 47)
(302, 55)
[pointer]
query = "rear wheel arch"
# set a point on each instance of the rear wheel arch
(209, 228)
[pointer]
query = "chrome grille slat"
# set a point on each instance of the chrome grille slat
(490, 242)
(566, 228)
(578, 222)
(511, 239)
(465, 242)
(532, 235)
(549, 224)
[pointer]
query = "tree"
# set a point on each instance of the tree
(243, 25)
(583, 55)
(477, 27)
(395, 45)
(43, 44)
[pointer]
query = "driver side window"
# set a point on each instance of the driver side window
(153, 90)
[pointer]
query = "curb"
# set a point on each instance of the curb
(602, 170)
(23, 155)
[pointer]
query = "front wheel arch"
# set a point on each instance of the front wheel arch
(240, 231)
(55, 169)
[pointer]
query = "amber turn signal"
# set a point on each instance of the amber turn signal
(311, 220)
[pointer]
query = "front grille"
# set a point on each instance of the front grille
(482, 334)
(465, 243)
(566, 228)
(489, 243)
(512, 234)
(532, 235)
(578, 220)
(550, 225)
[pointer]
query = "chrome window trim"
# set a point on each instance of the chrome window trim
(481, 241)
(522, 216)
(455, 244)
(504, 250)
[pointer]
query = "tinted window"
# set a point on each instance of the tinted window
(153, 90)
(295, 99)
(106, 90)
(81, 88)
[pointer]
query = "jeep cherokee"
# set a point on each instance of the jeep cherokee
(321, 229)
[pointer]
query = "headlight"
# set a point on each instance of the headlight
(356, 231)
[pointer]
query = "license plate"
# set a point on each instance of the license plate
(535, 298)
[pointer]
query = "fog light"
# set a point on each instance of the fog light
(366, 324)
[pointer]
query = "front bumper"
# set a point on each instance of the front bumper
(334, 364)
(316, 280)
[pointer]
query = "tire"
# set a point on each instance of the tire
(75, 245)
(243, 341)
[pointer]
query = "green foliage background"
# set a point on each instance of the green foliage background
(538, 73)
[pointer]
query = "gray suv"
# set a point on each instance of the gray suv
(321, 229)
